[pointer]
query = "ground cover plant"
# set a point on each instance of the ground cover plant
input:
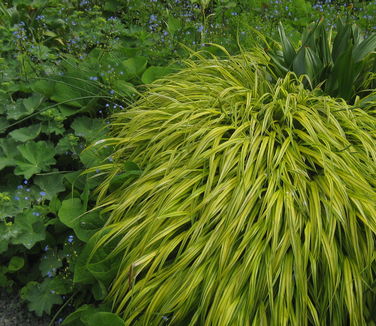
(65, 66)
(42, 158)
(53, 105)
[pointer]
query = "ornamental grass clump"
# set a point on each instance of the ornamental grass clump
(255, 205)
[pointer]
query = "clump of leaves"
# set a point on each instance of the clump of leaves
(343, 67)
(53, 105)
(256, 204)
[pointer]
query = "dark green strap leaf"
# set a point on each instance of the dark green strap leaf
(288, 50)
(365, 48)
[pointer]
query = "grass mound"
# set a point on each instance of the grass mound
(256, 205)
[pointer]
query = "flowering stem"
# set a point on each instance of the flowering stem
(61, 308)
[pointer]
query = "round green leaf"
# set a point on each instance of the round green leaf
(134, 66)
(105, 319)
(44, 87)
(27, 133)
(15, 264)
(88, 128)
(36, 157)
(153, 73)
(69, 212)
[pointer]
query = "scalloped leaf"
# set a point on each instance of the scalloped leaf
(90, 129)
(43, 86)
(40, 297)
(26, 133)
(50, 184)
(28, 229)
(8, 152)
(67, 94)
(35, 157)
(49, 262)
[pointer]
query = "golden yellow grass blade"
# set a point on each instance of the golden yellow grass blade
(255, 205)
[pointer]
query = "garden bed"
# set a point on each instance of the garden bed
(14, 313)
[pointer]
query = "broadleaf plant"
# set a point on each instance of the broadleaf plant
(343, 66)
(35, 157)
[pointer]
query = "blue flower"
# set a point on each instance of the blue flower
(42, 193)
(70, 238)
(20, 187)
(16, 198)
(36, 214)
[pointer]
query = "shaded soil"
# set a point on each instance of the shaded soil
(14, 313)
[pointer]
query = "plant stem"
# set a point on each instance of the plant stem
(61, 309)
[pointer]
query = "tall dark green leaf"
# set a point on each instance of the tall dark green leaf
(342, 40)
(344, 67)
(287, 49)
(365, 48)
(343, 71)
